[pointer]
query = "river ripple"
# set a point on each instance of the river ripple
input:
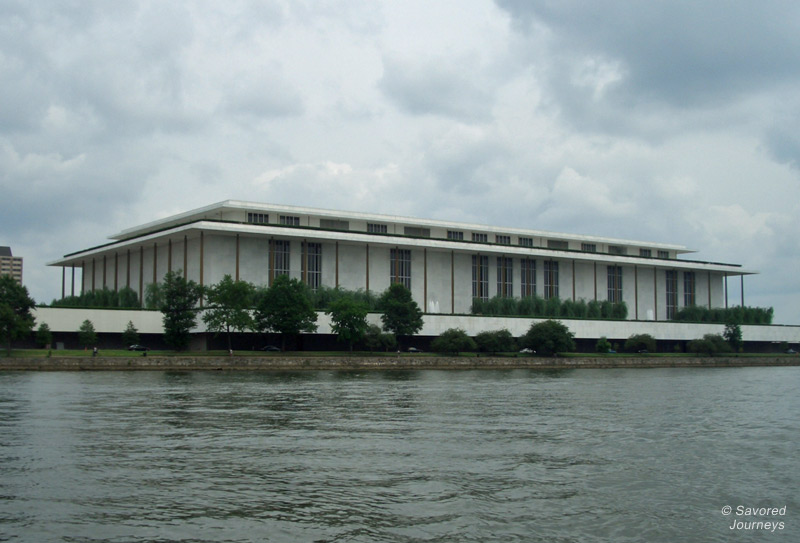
(557, 456)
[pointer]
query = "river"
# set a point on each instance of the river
(519, 455)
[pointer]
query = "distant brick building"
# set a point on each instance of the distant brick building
(10, 264)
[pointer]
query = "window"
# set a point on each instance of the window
(589, 247)
(313, 265)
(455, 235)
(672, 293)
(333, 224)
(282, 252)
(417, 231)
(550, 279)
(617, 250)
(257, 218)
(647, 253)
(374, 228)
(400, 267)
(290, 220)
(528, 277)
(502, 240)
(663, 254)
(480, 277)
(505, 282)
(483, 238)
(688, 289)
(557, 244)
(614, 284)
(526, 242)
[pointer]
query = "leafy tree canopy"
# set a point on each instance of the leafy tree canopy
(130, 336)
(401, 314)
(179, 306)
(454, 340)
(548, 337)
(16, 319)
(285, 308)
(348, 320)
(496, 341)
(229, 304)
(86, 334)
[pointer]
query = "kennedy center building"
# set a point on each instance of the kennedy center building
(445, 264)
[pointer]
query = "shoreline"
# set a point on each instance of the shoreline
(243, 363)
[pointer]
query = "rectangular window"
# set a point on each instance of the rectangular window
(617, 250)
(689, 289)
(505, 281)
(313, 265)
(614, 284)
(557, 244)
(647, 253)
(483, 238)
(455, 235)
(374, 228)
(550, 279)
(282, 253)
(333, 224)
(526, 242)
(400, 267)
(290, 220)
(589, 247)
(528, 277)
(672, 293)
(417, 231)
(257, 218)
(480, 277)
(663, 254)
(502, 240)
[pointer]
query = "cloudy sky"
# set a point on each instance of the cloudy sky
(662, 121)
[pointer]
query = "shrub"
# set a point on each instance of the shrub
(548, 337)
(44, 336)
(710, 345)
(603, 345)
(640, 342)
(454, 340)
(498, 341)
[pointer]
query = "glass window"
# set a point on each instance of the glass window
(282, 254)
(400, 267)
(455, 235)
(313, 265)
(672, 293)
(550, 279)
(617, 250)
(483, 238)
(557, 244)
(257, 218)
(589, 247)
(645, 252)
(502, 240)
(374, 228)
(526, 242)
(663, 254)
(480, 277)
(290, 220)
(614, 284)
(505, 281)
(528, 277)
(689, 289)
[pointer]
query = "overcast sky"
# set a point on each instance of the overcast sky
(672, 122)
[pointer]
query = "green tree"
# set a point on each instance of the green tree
(16, 319)
(603, 345)
(548, 337)
(86, 334)
(454, 340)
(640, 342)
(710, 345)
(285, 308)
(130, 336)
(348, 320)
(228, 308)
(376, 339)
(496, 341)
(155, 295)
(401, 314)
(179, 307)
(733, 335)
(44, 336)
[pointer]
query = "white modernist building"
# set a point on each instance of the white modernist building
(445, 264)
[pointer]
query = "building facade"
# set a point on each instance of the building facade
(445, 265)
(10, 264)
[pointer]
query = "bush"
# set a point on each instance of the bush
(710, 345)
(44, 336)
(548, 337)
(454, 340)
(498, 341)
(640, 342)
(376, 340)
(737, 315)
(603, 345)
